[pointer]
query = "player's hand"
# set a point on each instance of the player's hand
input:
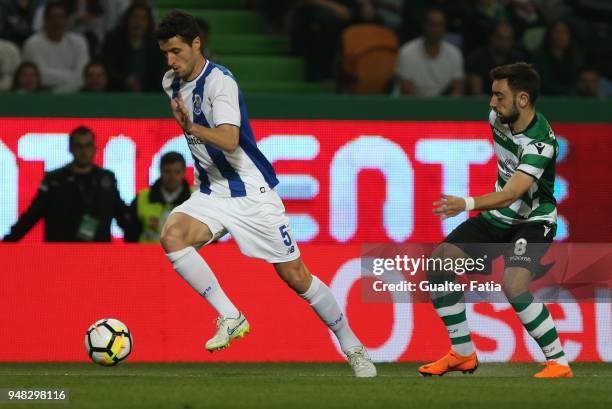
(180, 113)
(448, 206)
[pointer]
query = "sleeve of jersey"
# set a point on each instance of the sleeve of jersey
(225, 102)
(536, 156)
(167, 83)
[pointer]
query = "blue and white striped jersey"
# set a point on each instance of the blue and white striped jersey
(213, 99)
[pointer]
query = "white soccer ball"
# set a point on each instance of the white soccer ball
(108, 342)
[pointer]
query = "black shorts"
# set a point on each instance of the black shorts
(522, 245)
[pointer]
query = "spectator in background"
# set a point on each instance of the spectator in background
(59, 55)
(552, 10)
(87, 17)
(10, 57)
(456, 12)
(18, 17)
(428, 65)
(316, 30)
(523, 15)
(389, 13)
(587, 84)
(479, 63)
(78, 201)
(152, 206)
(94, 78)
(483, 18)
(558, 62)
(26, 79)
(131, 55)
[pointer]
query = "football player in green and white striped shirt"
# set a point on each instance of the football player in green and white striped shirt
(521, 212)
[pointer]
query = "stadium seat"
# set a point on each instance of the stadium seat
(369, 53)
(227, 21)
(263, 68)
(287, 87)
(247, 44)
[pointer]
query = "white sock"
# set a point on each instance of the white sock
(321, 299)
(192, 267)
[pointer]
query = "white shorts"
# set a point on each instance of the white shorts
(257, 222)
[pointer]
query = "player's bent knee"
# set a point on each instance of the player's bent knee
(295, 274)
(443, 251)
(516, 282)
(173, 238)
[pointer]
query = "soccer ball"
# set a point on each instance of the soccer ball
(108, 342)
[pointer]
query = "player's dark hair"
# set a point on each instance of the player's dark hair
(180, 24)
(54, 5)
(521, 77)
(170, 158)
(81, 130)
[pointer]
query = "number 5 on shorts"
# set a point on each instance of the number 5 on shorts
(285, 235)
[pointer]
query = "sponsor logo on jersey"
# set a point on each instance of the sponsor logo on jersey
(510, 164)
(197, 104)
(525, 259)
(499, 133)
(192, 140)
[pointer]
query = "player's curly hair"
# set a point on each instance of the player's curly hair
(177, 23)
(521, 77)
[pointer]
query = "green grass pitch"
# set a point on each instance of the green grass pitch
(302, 385)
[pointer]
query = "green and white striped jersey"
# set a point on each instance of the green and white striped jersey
(533, 151)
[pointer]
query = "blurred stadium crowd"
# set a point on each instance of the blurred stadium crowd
(408, 47)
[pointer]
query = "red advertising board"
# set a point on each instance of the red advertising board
(50, 294)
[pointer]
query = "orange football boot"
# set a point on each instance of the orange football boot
(450, 362)
(553, 370)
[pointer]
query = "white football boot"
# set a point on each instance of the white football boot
(227, 330)
(361, 363)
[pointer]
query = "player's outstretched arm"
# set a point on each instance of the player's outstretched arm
(449, 206)
(225, 137)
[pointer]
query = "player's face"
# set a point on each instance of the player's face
(172, 175)
(180, 56)
(83, 149)
(503, 102)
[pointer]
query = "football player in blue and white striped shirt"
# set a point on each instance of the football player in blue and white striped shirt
(234, 193)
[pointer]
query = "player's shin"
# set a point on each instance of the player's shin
(323, 302)
(538, 322)
(450, 307)
(192, 267)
